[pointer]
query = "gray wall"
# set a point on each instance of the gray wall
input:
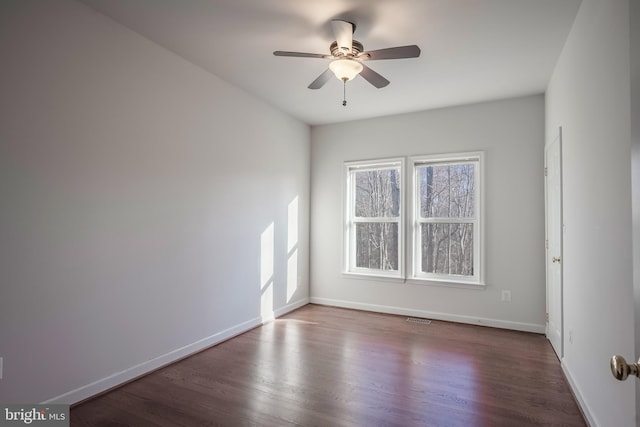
(588, 96)
(135, 190)
(511, 132)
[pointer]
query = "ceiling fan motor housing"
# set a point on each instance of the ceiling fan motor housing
(356, 49)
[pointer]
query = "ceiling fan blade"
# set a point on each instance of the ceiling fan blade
(372, 77)
(343, 31)
(300, 54)
(321, 80)
(399, 52)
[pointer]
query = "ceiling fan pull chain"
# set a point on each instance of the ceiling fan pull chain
(344, 92)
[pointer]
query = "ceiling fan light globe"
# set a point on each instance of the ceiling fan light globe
(345, 69)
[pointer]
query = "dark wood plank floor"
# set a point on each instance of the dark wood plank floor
(324, 366)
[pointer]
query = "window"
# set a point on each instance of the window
(446, 218)
(374, 227)
(444, 238)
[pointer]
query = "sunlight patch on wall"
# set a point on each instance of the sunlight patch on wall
(292, 227)
(266, 304)
(292, 274)
(266, 256)
(292, 248)
(267, 244)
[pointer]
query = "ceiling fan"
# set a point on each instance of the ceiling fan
(347, 57)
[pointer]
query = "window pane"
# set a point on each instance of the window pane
(377, 193)
(447, 191)
(447, 248)
(377, 245)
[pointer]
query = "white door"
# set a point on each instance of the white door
(553, 203)
(634, 43)
(635, 193)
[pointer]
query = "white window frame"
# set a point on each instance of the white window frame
(349, 267)
(478, 224)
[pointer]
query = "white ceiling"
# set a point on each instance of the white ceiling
(472, 50)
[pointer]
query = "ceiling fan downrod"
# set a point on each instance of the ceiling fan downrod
(344, 92)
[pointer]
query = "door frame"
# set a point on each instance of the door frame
(557, 138)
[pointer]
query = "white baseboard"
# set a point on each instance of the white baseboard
(92, 389)
(290, 307)
(495, 323)
(584, 407)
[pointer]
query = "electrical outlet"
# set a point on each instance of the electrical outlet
(506, 296)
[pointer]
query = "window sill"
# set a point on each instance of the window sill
(447, 283)
(373, 277)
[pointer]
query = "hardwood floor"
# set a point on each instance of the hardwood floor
(324, 366)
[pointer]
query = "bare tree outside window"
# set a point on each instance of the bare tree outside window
(447, 210)
(377, 213)
(377, 246)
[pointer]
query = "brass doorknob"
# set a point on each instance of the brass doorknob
(555, 259)
(621, 369)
